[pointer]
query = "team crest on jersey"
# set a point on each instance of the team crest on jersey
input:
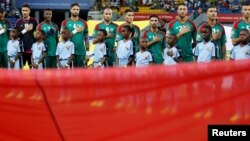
(246, 51)
(101, 49)
(67, 47)
(208, 49)
(39, 48)
(145, 56)
(127, 47)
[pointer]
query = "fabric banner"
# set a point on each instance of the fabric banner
(157, 103)
(224, 18)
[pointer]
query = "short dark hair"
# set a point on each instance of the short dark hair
(182, 4)
(103, 31)
(153, 16)
(127, 11)
(2, 10)
(47, 9)
(246, 3)
(74, 4)
(211, 6)
(25, 5)
(207, 27)
(244, 29)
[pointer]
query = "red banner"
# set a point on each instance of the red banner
(157, 103)
(224, 18)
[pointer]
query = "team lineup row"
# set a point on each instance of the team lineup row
(43, 50)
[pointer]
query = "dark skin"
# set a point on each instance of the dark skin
(65, 35)
(39, 38)
(14, 35)
(171, 39)
(243, 39)
(206, 34)
(126, 34)
(144, 46)
(101, 37)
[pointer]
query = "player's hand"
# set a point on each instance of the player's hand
(29, 27)
(157, 38)
(79, 29)
(184, 30)
(110, 35)
(216, 36)
(170, 53)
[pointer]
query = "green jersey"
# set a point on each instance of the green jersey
(77, 38)
(4, 37)
(184, 43)
(157, 48)
(51, 31)
(136, 32)
(237, 27)
(110, 28)
(219, 43)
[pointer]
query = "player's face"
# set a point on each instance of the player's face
(246, 11)
(107, 15)
(143, 43)
(205, 34)
(75, 10)
(2, 15)
(100, 35)
(47, 15)
(154, 22)
(212, 13)
(129, 17)
(25, 12)
(244, 36)
(182, 11)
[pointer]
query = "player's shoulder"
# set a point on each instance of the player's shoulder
(112, 23)
(236, 24)
(135, 26)
(171, 23)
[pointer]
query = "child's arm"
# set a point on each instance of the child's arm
(32, 61)
(12, 63)
(42, 58)
(70, 60)
(58, 61)
(130, 59)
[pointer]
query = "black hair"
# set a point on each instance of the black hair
(47, 9)
(127, 11)
(211, 6)
(74, 4)
(208, 27)
(153, 16)
(103, 31)
(25, 5)
(130, 29)
(244, 29)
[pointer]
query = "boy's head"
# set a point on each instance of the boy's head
(14, 33)
(244, 36)
(126, 31)
(101, 35)
(143, 43)
(206, 32)
(65, 34)
(40, 35)
(171, 39)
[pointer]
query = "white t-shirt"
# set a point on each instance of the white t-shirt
(204, 51)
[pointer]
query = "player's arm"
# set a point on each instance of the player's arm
(224, 52)
(32, 61)
(86, 38)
